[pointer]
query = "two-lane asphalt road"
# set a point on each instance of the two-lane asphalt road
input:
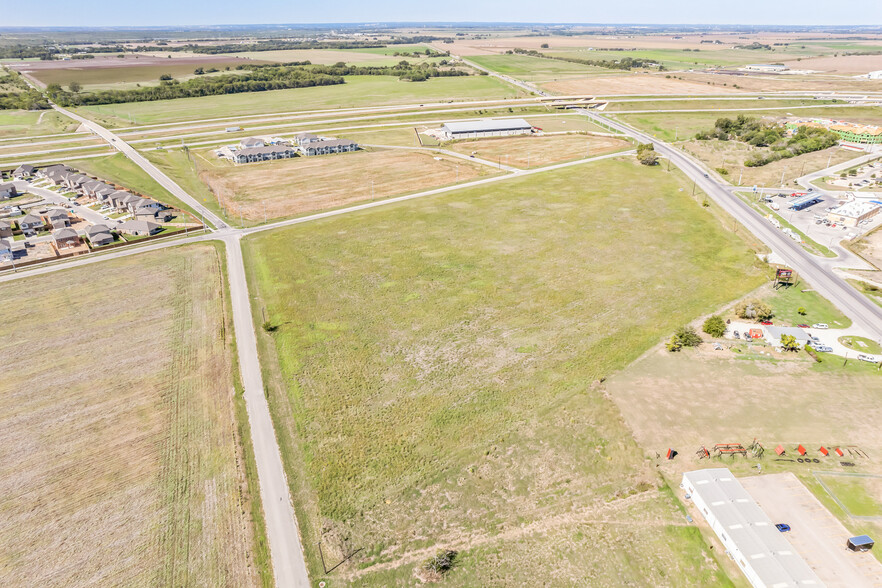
(852, 303)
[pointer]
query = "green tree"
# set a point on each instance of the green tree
(714, 326)
(789, 343)
(165, 78)
(674, 344)
(688, 337)
(198, 71)
(74, 87)
(649, 157)
(801, 310)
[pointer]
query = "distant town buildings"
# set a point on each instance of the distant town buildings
(475, 129)
(766, 67)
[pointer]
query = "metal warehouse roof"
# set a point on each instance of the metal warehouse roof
(855, 208)
(765, 549)
(487, 125)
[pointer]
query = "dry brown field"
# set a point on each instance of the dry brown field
(774, 83)
(730, 155)
(841, 64)
(305, 184)
(119, 458)
(638, 84)
(524, 152)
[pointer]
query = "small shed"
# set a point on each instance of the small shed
(801, 450)
(860, 543)
(779, 450)
(756, 333)
(824, 451)
(839, 452)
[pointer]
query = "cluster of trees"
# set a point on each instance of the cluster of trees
(754, 310)
(21, 95)
(253, 78)
(754, 46)
(625, 63)
(683, 337)
(646, 154)
(757, 133)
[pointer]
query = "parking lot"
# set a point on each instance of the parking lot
(815, 533)
(825, 233)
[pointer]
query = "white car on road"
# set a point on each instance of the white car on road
(820, 326)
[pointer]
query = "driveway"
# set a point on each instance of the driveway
(816, 534)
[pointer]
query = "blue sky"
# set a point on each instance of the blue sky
(196, 12)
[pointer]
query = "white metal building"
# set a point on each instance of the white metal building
(473, 129)
(854, 212)
(757, 547)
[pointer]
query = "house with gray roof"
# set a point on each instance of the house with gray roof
(23, 171)
(153, 211)
(65, 238)
(5, 229)
(305, 138)
(264, 153)
(139, 228)
(473, 129)
(58, 218)
(99, 235)
(773, 335)
(30, 224)
(7, 191)
(249, 142)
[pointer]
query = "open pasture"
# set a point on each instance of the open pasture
(526, 152)
(305, 184)
(357, 91)
(430, 366)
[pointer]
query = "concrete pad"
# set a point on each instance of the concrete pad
(816, 534)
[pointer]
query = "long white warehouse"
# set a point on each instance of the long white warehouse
(472, 129)
(750, 537)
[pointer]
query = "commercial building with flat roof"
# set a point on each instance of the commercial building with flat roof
(473, 129)
(854, 212)
(757, 547)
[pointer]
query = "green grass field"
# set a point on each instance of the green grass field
(862, 496)
(24, 123)
(431, 365)
(786, 301)
(357, 91)
(531, 68)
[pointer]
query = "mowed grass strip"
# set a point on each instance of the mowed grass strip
(305, 184)
(431, 363)
(120, 459)
(357, 91)
(527, 151)
(26, 123)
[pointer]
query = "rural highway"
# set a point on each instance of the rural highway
(853, 304)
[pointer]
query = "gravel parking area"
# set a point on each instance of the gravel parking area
(816, 534)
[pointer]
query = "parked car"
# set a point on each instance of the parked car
(823, 348)
(737, 335)
(820, 326)
(746, 335)
(767, 323)
(783, 527)
(865, 357)
(803, 326)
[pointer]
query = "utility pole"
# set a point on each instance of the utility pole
(372, 188)
(782, 177)
(741, 173)
(264, 212)
(829, 159)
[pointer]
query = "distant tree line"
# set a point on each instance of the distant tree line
(757, 133)
(254, 78)
(626, 63)
(48, 52)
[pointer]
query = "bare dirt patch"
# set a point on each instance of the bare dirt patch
(526, 152)
(772, 83)
(842, 64)
(304, 184)
(636, 84)
(119, 460)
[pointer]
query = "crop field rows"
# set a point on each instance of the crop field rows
(124, 446)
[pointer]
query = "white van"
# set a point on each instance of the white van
(865, 357)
